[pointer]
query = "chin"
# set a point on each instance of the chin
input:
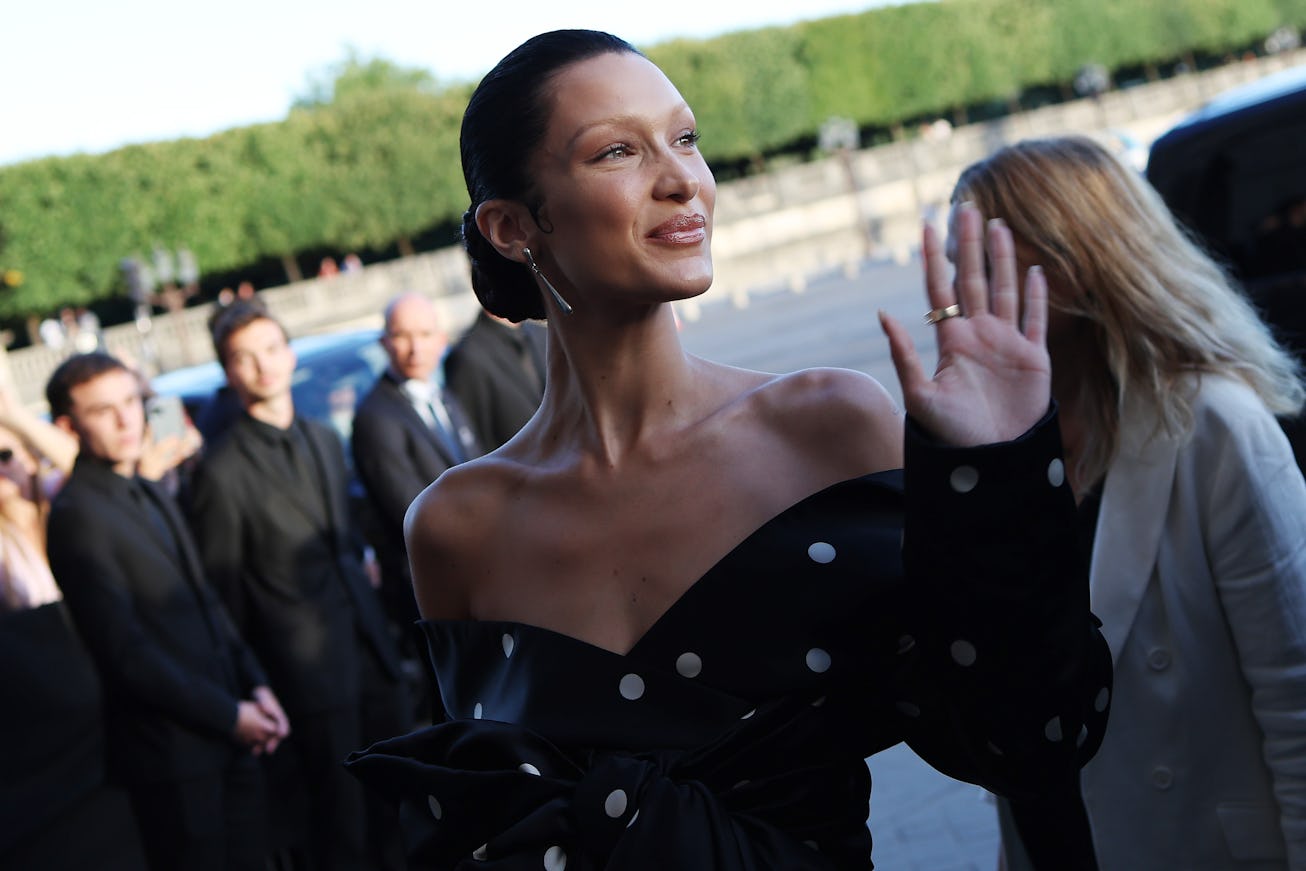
(695, 283)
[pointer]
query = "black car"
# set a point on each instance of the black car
(1235, 173)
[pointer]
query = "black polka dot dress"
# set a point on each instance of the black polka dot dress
(733, 734)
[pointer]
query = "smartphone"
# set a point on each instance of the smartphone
(166, 417)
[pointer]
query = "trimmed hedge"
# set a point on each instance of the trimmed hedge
(374, 169)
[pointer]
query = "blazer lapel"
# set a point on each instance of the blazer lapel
(405, 409)
(184, 553)
(107, 482)
(180, 534)
(1135, 498)
(327, 476)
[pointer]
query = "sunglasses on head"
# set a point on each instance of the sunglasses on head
(6, 454)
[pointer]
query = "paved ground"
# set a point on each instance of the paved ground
(924, 821)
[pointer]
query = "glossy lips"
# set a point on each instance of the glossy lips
(681, 230)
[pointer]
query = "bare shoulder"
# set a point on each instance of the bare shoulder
(845, 413)
(449, 530)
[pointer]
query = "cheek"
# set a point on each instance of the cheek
(707, 188)
(603, 206)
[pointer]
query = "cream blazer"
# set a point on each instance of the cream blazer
(1199, 577)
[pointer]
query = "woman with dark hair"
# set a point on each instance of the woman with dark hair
(672, 616)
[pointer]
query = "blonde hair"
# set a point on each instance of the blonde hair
(1155, 307)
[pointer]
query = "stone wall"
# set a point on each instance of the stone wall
(775, 229)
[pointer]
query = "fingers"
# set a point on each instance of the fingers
(972, 286)
(906, 361)
(1003, 282)
(938, 289)
(1036, 306)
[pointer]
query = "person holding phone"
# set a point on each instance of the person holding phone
(61, 812)
(170, 440)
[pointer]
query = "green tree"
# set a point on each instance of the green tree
(356, 74)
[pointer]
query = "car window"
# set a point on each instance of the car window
(329, 384)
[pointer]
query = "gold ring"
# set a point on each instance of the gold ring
(934, 315)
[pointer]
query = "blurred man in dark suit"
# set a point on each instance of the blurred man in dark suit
(407, 431)
(269, 506)
(187, 704)
(497, 372)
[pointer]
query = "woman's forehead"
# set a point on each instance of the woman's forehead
(608, 88)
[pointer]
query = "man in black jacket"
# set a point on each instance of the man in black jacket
(407, 431)
(187, 704)
(497, 372)
(270, 510)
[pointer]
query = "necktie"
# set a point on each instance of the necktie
(444, 429)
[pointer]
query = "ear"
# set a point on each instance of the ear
(507, 225)
(65, 423)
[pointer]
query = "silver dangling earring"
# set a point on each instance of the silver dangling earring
(548, 285)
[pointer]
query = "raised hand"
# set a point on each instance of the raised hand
(994, 377)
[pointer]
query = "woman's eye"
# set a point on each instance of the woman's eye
(689, 137)
(615, 151)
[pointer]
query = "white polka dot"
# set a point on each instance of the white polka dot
(1103, 698)
(508, 645)
(615, 804)
(479, 853)
(749, 714)
(963, 652)
(434, 804)
(964, 478)
(633, 817)
(478, 711)
(631, 687)
(908, 708)
(689, 664)
(555, 859)
(1056, 473)
(1082, 736)
(818, 660)
(527, 768)
(1053, 729)
(821, 552)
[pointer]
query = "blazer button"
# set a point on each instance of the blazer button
(1158, 659)
(1162, 777)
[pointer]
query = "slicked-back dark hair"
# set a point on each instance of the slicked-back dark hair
(74, 372)
(502, 126)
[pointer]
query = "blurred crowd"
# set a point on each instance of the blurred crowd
(197, 631)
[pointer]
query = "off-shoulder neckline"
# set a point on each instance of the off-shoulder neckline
(889, 478)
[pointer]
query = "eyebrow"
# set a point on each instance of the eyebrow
(618, 120)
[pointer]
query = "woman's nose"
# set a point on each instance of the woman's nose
(679, 181)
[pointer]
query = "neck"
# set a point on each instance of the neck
(613, 385)
(278, 411)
